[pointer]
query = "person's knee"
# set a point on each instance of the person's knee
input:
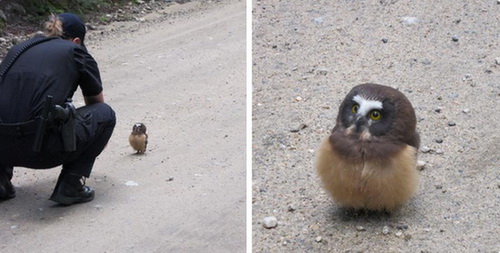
(106, 114)
(111, 116)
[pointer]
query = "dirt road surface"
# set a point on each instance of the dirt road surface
(181, 71)
(444, 56)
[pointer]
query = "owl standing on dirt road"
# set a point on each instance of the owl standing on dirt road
(138, 139)
(369, 160)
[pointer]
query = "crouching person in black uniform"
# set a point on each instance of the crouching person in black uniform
(39, 127)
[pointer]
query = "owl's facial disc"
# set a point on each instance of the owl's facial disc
(364, 113)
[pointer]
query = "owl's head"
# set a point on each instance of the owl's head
(139, 128)
(372, 111)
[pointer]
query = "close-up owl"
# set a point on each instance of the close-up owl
(369, 160)
(138, 139)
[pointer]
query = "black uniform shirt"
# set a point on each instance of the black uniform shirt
(56, 67)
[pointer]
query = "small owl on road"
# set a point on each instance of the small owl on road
(369, 160)
(138, 139)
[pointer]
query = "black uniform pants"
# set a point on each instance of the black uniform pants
(94, 126)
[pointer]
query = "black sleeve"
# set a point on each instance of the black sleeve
(90, 78)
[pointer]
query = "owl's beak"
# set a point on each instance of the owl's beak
(360, 124)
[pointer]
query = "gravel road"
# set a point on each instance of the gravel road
(445, 57)
(181, 71)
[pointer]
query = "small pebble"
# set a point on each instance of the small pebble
(131, 183)
(170, 179)
(319, 239)
(451, 123)
(426, 62)
(298, 98)
(323, 72)
(466, 110)
(497, 60)
(360, 228)
(438, 110)
(291, 208)
(438, 186)
(300, 127)
(454, 38)
(425, 149)
(399, 233)
(421, 165)
(439, 140)
(270, 222)
(439, 151)
(410, 20)
(385, 230)
(385, 40)
(319, 20)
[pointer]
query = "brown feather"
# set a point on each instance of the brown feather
(138, 142)
(373, 185)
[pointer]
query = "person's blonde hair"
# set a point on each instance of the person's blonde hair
(53, 27)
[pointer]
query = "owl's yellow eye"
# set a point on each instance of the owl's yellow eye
(375, 115)
(355, 108)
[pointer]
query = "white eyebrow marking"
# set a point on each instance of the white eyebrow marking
(366, 105)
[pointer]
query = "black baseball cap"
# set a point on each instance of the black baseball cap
(73, 26)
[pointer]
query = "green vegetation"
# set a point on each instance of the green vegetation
(40, 9)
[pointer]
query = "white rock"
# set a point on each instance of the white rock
(421, 165)
(410, 20)
(270, 222)
(131, 183)
(385, 230)
(425, 149)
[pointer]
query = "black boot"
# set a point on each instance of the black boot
(7, 190)
(71, 190)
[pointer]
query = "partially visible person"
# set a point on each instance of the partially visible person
(39, 128)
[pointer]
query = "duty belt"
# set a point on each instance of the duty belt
(52, 115)
(19, 129)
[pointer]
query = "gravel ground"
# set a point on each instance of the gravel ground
(445, 57)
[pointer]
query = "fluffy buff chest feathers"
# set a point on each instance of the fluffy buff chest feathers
(369, 160)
